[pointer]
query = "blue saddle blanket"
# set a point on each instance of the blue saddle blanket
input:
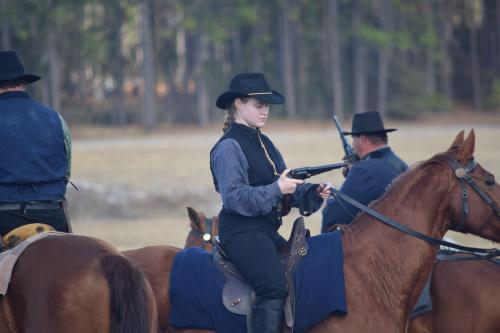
(196, 288)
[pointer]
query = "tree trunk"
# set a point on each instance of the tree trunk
(287, 56)
(497, 40)
(5, 26)
(119, 112)
(475, 69)
(335, 54)
(202, 98)
(149, 111)
(446, 64)
(237, 50)
(359, 66)
(54, 69)
(384, 54)
(258, 62)
(302, 83)
(180, 52)
(430, 69)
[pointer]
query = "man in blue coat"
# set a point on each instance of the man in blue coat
(368, 179)
(35, 153)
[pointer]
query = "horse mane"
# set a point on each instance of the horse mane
(401, 185)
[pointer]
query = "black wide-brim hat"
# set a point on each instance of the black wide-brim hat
(249, 85)
(368, 123)
(12, 68)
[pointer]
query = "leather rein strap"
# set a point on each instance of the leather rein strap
(487, 253)
(464, 177)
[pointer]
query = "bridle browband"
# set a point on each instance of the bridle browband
(462, 174)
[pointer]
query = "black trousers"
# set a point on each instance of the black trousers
(11, 219)
(255, 255)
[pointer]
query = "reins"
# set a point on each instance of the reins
(462, 173)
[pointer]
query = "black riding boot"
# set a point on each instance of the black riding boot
(266, 317)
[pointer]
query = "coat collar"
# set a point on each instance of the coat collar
(245, 130)
(14, 94)
(379, 153)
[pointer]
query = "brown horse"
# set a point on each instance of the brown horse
(203, 230)
(69, 283)
(455, 286)
(385, 270)
(465, 298)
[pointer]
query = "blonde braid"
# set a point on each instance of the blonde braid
(231, 110)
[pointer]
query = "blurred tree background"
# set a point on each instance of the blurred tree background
(147, 62)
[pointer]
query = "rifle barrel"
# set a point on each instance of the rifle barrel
(306, 172)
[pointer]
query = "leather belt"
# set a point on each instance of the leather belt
(30, 205)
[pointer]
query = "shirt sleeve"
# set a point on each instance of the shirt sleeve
(230, 167)
(305, 196)
(67, 144)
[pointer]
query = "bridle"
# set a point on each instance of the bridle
(462, 173)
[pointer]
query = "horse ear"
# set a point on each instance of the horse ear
(466, 151)
(195, 219)
(458, 140)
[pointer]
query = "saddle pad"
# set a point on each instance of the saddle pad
(196, 288)
(9, 258)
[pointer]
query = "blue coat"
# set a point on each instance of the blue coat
(33, 160)
(366, 182)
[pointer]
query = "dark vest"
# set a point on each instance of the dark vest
(260, 172)
(33, 161)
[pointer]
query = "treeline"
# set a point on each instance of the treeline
(151, 61)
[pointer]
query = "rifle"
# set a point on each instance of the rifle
(304, 173)
(350, 157)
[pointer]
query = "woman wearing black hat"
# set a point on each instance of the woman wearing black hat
(251, 177)
(36, 153)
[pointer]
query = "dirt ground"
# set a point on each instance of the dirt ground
(134, 186)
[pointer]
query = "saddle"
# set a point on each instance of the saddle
(17, 235)
(238, 296)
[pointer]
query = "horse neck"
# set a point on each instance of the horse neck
(397, 265)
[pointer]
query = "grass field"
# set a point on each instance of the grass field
(134, 186)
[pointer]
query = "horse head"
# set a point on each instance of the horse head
(203, 230)
(475, 196)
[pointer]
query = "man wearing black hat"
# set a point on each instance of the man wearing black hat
(35, 153)
(369, 178)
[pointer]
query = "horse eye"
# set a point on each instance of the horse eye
(490, 180)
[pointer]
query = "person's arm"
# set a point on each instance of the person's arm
(360, 185)
(67, 144)
(230, 167)
(305, 194)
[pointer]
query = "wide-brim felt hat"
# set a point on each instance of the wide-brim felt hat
(249, 85)
(368, 123)
(12, 68)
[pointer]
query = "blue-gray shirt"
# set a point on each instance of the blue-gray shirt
(230, 166)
